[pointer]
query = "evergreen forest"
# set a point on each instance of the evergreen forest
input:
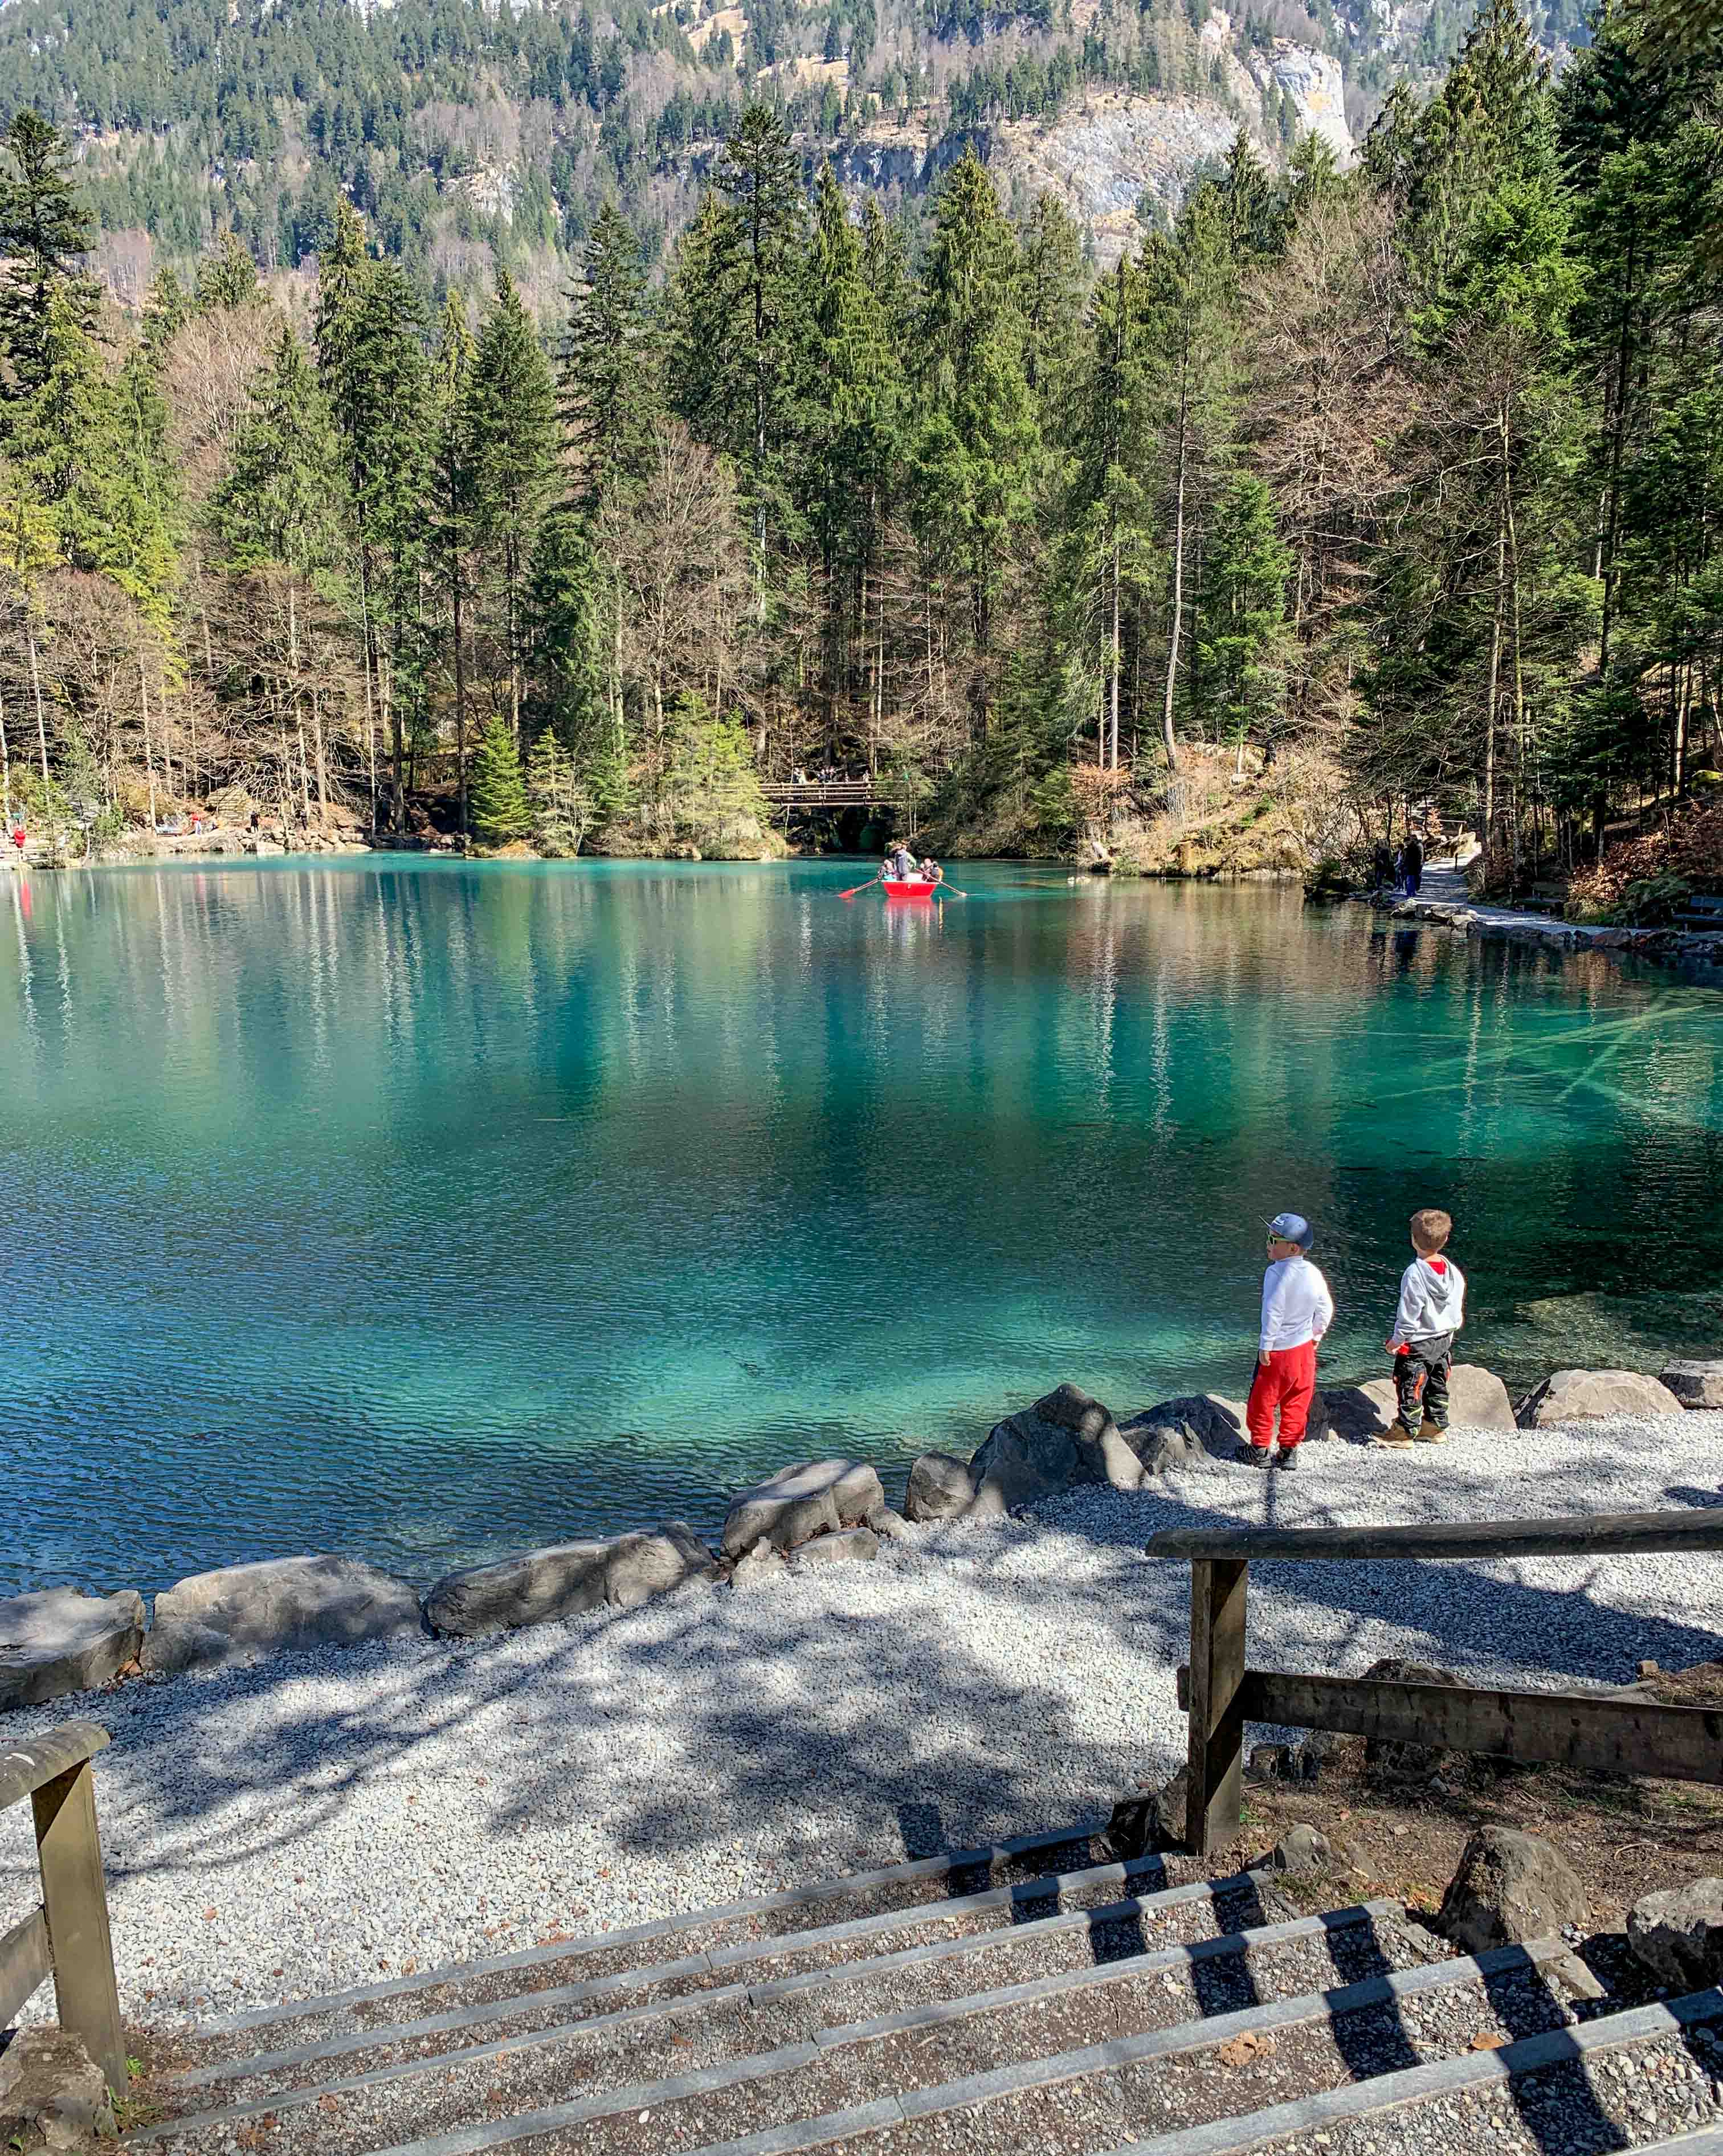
(1378, 486)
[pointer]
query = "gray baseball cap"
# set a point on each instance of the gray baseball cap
(1292, 1228)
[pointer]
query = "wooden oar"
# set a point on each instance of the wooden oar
(853, 888)
(942, 887)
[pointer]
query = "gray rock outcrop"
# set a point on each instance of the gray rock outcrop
(50, 2087)
(1150, 1820)
(1065, 1439)
(798, 1503)
(1201, 1422)
(542, 1586)
(1678, 1934)
(60, 1641)
(1695, 1384)
(940, 1488)
(1581, 1395)
(280, 1604)
(1477, 1400)
(849, 1545)
(1509, 1888)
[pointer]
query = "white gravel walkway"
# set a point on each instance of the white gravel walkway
(315, 1821)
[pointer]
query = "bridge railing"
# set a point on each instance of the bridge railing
(833, 793)
(66, 1937)
(1220, 1693)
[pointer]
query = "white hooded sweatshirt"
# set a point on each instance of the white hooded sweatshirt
(1433, 1299)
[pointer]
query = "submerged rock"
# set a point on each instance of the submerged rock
(62, 1641)
(283, 1603)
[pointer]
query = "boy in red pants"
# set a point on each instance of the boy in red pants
(1297, 1311)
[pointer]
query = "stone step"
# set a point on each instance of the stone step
(1027, 1860)
(834, 1974)
(595, 2095)
(1624, 2081)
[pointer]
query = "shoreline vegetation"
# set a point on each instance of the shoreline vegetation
(1347, 499)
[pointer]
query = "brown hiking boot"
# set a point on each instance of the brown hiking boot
(1431, 1432)
(1396, 1438)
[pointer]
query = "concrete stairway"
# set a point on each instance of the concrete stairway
(1022, 2000)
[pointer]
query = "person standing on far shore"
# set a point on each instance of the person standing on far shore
(1297, 1310)
(1411, 863)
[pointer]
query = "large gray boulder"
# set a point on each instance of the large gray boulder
(1509, 1888)
(940, 1488)
(1201, 1423)
(62, 1641)
(798, 1503)
(1678, 1934)
(1065, 1439)
(1695, 1384)
(245, 1610)
(542, 1586)
(1477, 1400)
(1581, 1395)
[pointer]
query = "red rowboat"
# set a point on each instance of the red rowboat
(917, 889)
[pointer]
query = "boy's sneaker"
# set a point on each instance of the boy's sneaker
(1286, 1459)
(1431, 1432)
(1396, 1438)
(1252, 1455)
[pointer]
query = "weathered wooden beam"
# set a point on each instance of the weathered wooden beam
(1596, 1534)
(1611, 1736)
(1214, 1793)
(74, 1895)
(25, 1767)
(25, 1963)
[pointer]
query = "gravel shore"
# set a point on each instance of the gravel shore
(318, 1821)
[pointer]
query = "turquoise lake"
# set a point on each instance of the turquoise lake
(426, 1212)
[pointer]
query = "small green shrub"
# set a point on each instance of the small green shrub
(1652, 903)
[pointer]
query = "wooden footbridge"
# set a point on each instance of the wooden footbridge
(880, 791)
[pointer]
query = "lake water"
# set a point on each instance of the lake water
(428, 1212)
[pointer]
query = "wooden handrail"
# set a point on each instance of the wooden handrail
(1221, 1695)
(24, 1768)
(1602, 1534)
(67, 1935)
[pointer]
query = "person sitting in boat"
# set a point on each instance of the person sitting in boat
(931, 872)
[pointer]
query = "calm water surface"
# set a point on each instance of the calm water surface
(427, 1212)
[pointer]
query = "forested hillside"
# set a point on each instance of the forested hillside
(473, 137)
(1395, 481)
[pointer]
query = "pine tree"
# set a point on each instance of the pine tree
(44, 227)
(977, 451)
(499, 809)
(567, 645)
(1241, 631)
(561, 809)
(452, 507)
(373, 372)
(227, 277)
(609, 389)
(510, 428)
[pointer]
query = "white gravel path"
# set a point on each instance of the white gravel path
(315, 1821)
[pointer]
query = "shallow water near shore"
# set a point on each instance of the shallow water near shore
(425, 1211)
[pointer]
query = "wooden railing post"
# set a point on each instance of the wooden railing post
(74, 1898)
(1214, 1794)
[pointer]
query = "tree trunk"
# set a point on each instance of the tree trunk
(1178, 592)
(5, 782)
(322, 760)
(460, 690)
(1112, 720)
(143, 690)
(36, 688)
(1495, 643)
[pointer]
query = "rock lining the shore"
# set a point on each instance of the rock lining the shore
(60, 1641)
(323, 1812)
(282, 1602)
(544, 1586)
(1583, 1395)
(1695, 1383)
(1066, 1442)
